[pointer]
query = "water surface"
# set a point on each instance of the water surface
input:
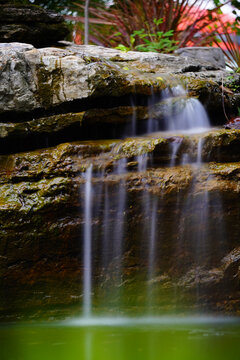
(167, 338)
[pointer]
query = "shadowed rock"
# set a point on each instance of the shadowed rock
(31, 24)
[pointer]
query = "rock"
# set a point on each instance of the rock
(56, 123)
(47, 131)
(213, 56)
(156, 60)
(221, 145)
(31, 24)
(41, 219)
(40, 87)
(49, 77)
(209, 93)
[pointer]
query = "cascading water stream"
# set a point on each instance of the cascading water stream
(192, 117)
(87, 246)
(199, 152)
(118, 231)
(152, 251)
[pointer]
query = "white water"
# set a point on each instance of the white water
(183, 112)
(87, 252)
(192, 116)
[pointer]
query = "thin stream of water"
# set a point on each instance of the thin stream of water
(87, 260)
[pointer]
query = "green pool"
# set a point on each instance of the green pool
(166, 338)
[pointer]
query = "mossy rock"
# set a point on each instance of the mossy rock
(62, 160)
(139, 146)
(222, 146)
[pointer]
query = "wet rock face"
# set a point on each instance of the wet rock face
(42, 195)
(50, 96)
(31, 24)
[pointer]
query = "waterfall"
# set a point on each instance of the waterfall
(186, 113)
(106, 229)
(110, 210)
(87, 252)
(179, 112)
(118, 230)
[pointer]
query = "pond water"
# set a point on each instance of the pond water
(167, 338)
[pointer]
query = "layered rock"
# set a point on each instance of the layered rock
(42, 220)
(31, 24)
(38, 84)
(212, 55)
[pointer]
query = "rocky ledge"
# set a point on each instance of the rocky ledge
(31, 24)
(65, 94)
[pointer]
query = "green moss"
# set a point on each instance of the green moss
(43, 125)
(138, 146)
(62, 160)
(55, 123)
(225, 168)
(233, 83)
(33, 196)
(222, 137)
(197, 87)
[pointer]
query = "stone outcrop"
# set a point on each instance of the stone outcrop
(62, 94)
(51, 96)
(41, 218)
(209, 54)
(52, 76)
(31, 24)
